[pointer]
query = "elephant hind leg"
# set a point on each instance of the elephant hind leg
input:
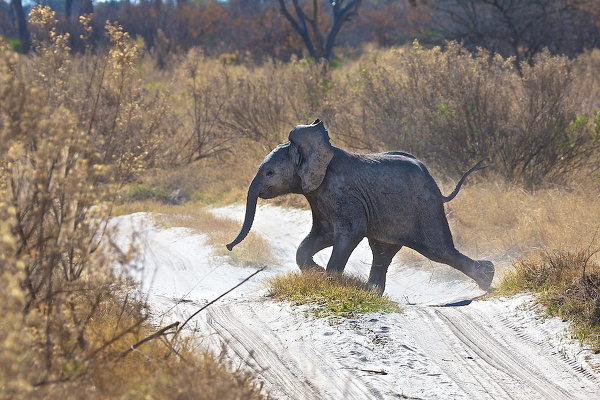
(383, 253)
(481, 271)
(311, 245)
(435, 242)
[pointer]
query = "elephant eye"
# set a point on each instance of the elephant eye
(270, 172)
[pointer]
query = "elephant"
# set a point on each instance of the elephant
(390, 198)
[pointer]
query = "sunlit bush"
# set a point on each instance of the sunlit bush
(68, 140)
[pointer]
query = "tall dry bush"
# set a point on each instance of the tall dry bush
(536, 126)
(123, 117)
(457, 107)
(68, 313)
(55, 278)
(218, 105)
(203, 94)
(267, 102)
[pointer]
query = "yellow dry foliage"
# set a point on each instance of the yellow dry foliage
(66, 146)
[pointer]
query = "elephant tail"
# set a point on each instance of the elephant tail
(474, 168)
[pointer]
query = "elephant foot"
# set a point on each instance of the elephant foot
(483, 274)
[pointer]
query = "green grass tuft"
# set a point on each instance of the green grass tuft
(567, 284)
(340, 295)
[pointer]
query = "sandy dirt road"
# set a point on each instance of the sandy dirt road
(493, 349)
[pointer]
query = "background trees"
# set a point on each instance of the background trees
(519, 28)
(279, 29)
(318, 37)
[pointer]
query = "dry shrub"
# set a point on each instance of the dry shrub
(567, 284)
(587, 82)
(209, 91)
(68, 315)
(216, 109)
(458, 107)
(55, 267)
(267, 102)
(124, 120)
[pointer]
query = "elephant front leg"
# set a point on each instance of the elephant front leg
(343, 247)
(383, 253)
(311, 245)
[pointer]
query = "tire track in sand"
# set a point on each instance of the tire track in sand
(481, 354)
(286, 376)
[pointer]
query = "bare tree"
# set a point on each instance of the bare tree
(520, 28)
(306, 23)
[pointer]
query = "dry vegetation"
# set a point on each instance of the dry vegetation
(338, 295)
(66, 148)
(567, 284)
(81, 133)
(507, 221)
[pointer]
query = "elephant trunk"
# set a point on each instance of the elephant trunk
(249, 217)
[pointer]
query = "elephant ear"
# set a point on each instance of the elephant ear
(316, 152)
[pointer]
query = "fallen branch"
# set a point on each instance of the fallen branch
(211, 303)
(218, 298)
(156, 334)
(163, 331)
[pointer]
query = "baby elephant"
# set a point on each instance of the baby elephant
(390, 198)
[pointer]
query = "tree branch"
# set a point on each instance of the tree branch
(156, 334)
(302, 31)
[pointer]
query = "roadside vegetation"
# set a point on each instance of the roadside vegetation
(73, 325)
(567, 284)
(330, 296)
(503, 219)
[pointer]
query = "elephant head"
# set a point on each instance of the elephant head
(297, 166)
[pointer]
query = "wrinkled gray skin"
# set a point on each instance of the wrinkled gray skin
(390, 198)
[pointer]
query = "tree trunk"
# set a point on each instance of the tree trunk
(68, 9)
(24, 36)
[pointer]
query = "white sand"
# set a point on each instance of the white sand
(495, 349)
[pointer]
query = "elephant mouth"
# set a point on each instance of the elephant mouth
(267, 193)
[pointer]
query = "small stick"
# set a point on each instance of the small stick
(215, 300)
(162, 331)
(372, 371)
(156, 334)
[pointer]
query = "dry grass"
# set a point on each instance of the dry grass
(504, 220)
(253, 250)
(567, 284)
(152, 371)
(210, 182)
(339, 295)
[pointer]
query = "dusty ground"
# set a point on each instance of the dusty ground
(481, 349)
